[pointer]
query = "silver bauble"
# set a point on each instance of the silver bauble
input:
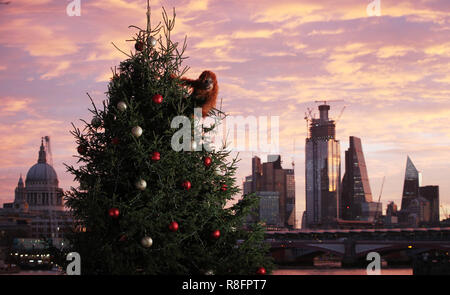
(146, 242)
(136, 131)
(122, 106)
(141, 184)
(152, 41)
(96, 122)
(209, 273)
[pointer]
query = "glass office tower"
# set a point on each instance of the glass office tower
(355, 184)
(322, 171)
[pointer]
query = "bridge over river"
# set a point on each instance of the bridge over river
(395, 245)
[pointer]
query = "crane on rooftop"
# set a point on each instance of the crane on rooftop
(325, 101)
(377, 215)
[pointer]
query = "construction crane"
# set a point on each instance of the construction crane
(308, 117)
(340, 114)
(377, 217)
(48, 149)
(325, 101)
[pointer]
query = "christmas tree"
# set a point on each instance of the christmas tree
(142, 207)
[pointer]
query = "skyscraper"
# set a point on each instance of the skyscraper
(322, 171)
(431, 194)
(356, 199)
(271, 177)
(411, 184)
(420, 204)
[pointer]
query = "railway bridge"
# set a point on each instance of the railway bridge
(351, 246)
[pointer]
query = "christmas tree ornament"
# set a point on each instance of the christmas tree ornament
(173, 226)
(115, 140)
(186, 185)
(141, 184)
(261, 271)
(156, 156)
(114, 213)
(96, 122)
(215, 234)
(136, 131)
(123, 238)
(146, 242)
(139, 46)
(121, 106)
(152, 41)
(224, 187)
(209, 273)
(157, 98)
(207, 161)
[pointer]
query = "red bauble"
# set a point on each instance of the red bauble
(81, 149)
(114, 212)
(207, 161)
(157, 98)
(115, 141)
(215, 234)
(156, 156)
(139, 46)
(186, 184)
(261, 271)
(173, 226)
(224, 187)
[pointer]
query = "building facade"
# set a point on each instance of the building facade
(431, 194)
(38, 204)
(411, 184)
(271, 177)
(322, 171)
(356, 196)
(269, 212)
(420, 204)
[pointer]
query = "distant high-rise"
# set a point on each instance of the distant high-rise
(271, 177)
(322, 171)
(411, 184)
(391, 217)
(431, 194)
(356, 201)
(420, 204)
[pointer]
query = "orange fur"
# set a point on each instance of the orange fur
(207, 97)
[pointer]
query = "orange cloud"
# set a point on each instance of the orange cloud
(12, 105)
(37, 40)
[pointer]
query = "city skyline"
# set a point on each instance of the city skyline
(271, 59)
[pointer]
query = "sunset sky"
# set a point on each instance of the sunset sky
(272, 58)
